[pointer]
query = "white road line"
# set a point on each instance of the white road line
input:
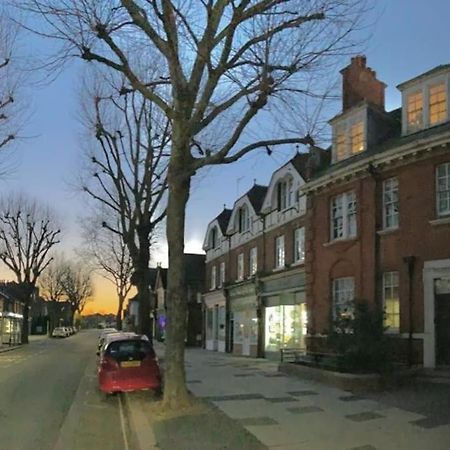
(122, 424)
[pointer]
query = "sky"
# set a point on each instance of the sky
(405, 39)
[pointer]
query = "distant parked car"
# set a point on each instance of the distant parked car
(60, 332)
(128, 363)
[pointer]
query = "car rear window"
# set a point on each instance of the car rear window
(130, 349)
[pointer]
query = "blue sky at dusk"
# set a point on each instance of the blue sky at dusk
(406, 39)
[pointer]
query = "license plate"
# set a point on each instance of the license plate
(130, 364)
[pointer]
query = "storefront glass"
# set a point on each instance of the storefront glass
(285, 327)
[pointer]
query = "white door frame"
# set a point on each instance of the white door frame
(432, 270)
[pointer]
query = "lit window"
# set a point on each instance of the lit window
(253, 263)
(437, 103)
(390, 203)
(343, 216)
(391, 302)
(240, 267)
(279, 252)
(357, 137)
(299, 244)
(343, 297)
(222, 274)
(341, 146)
(213, 277)
(284, 194)
(443, 189)
(415, 111)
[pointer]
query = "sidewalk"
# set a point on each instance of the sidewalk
(287, 413)
(32, 339)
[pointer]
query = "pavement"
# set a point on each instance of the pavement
(287, 413)
(32, 339)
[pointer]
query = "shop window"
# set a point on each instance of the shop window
(240, 267)
(391, 302)
(279, 252)
(443, 189)
(390, 203)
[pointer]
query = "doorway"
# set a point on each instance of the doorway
(442, 323)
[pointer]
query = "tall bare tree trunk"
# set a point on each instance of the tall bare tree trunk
(175, 392)
(143, 282)
(26, 310)
(119, 313)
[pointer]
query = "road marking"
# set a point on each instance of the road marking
(122, 424)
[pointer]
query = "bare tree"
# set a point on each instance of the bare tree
(28, 232)
(126, 176)
(77, 287)
(109, 254)
(225, 64)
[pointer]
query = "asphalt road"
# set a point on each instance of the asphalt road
(49, 398)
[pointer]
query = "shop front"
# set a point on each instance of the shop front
(10, 328)
(244, 319)
(285, 314)
(215, 320)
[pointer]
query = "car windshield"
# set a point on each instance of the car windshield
(130, 349)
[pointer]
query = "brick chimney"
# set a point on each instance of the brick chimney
(360, 83)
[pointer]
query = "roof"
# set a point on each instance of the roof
(435, 70)
(394, 140)
(256, 196)
(300, 162)
(223, 218)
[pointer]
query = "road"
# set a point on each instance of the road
(49, 398)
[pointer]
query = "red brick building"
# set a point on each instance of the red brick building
(378, 226)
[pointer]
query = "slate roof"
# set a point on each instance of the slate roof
(436, 69)
(256, 196)
(223, 218)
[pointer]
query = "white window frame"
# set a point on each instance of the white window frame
(279, 252)
(222, 274)
(253, 261)
(418, 113)
(443, 189)
(391, 214)
(240, 267)
(391, 281)
(243, 219)
(343, 215)
(343, 137)
(445, 102)
(343, 296)
(284, 193)
(213, 277)
(299, 245)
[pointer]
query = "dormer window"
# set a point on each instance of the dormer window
(349, 136)
(357, 137)
(415, 111)
(243, 219)
(437, 103)
(213, 241)
(341, 146)
(284, 194)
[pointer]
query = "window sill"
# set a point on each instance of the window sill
(340, 241)
(279, 269)
(298, 263)
(386, 231)
(441, 221)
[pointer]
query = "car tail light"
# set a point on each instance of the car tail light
(109, 363)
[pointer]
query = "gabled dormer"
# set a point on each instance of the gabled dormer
(215, 242)
(284, 199)
(363, 121)
(425, 100)
(244, 223)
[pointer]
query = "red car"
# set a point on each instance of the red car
(128, 363)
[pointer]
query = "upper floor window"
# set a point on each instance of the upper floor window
(213, 277)
(343, 216)
(284, 194)
(299, 244)
(243, 219)
(414, 111)
(443, 189)
(279, 252)
(437, 103)
(390, 203)
(253, 261)
(391, 302)
(240, 267)
(213, 241)
(357, 137)
(341, 145)
(222, 274)
(343, 297)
